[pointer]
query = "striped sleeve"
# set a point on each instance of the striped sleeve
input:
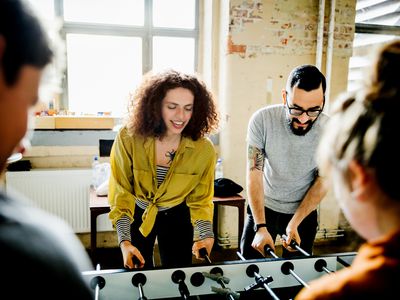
(123, 226)
(202, 230)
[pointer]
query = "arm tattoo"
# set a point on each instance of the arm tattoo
(255, 158)
(170, 155)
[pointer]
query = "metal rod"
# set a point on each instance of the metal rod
(297, 277)
(240, 255)
(270, 251)
(269, 290)
(326, 270)
(222, 284)
(97, 290)
(208, 259)
(266, 286)
(294, 244)
(141, 294)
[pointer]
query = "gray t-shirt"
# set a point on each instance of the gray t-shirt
(290, 166)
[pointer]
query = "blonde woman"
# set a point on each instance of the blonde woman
(360, 154)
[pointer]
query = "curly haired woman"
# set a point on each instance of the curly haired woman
(162, 172)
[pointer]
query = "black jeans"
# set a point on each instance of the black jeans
(276, 224)
(174, 232)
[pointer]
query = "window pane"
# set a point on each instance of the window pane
(172, 52)
(174, 13)
(364, 45)
(382, 12)
(102, 70)
(125, 12)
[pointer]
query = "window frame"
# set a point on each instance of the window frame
(145, 32)
(370, 26)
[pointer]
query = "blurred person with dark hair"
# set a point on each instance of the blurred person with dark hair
(283, 185)
(162, 172)
(359, 154)
(41, 256)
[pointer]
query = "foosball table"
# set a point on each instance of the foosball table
(268, 278)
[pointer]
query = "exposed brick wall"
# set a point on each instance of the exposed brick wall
(287, 27)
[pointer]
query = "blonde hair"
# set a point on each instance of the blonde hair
(363, 125)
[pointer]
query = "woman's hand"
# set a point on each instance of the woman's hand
(131, 256)
(206, 243)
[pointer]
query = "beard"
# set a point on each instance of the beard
(301, 131)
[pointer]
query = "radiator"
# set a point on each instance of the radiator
(64, 193)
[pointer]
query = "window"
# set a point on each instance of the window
(377, 22)
(110, 44)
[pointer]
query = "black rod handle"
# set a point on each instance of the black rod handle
(268, 249)
(295, 245)
(178, 277)
(204, 254)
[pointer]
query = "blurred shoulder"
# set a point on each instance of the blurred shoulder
(323, 118)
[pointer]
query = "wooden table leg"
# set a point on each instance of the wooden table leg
(93, 236)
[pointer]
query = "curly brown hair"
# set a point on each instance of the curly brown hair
(145, 117)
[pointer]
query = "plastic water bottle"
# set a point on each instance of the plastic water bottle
(95, 172)
(219, 171)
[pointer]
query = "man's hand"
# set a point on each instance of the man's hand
(291, 234)
(261, 239)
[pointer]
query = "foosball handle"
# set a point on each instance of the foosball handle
(139, 280)
(178, 277)
(204, 254)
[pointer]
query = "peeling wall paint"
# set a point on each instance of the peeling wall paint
(286, 27)
(245, 13)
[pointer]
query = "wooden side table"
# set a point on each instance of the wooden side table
(237, 201)
(99, 205)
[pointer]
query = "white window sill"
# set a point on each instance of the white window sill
(76, 122)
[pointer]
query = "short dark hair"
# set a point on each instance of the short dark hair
(306, 77)
(26, 42)
(145, 117)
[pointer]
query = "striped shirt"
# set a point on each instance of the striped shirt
(202, 229)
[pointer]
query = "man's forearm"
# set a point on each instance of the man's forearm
(256, 197)
(310, 202)
(255, 167)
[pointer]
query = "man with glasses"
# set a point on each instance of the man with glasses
(283, 186)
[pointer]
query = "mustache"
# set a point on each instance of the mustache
(295, 120)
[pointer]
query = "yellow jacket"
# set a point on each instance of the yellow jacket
(133, 175)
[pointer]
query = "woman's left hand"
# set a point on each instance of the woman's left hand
(206, 243)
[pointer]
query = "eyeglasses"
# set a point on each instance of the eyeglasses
(297, 112)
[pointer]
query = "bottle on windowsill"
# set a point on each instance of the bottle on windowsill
(219, 171)
(95, 172)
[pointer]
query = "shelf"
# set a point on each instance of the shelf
(74, 122)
